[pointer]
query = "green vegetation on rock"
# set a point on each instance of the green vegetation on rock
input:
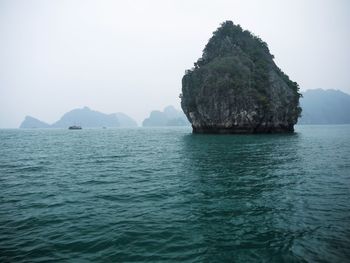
(236, 87)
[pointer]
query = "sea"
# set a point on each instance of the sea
(167, 195)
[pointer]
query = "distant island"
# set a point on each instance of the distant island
(84, 117)
(168, 117)
(319, 107)
(236, 87)
(325, 107)
(31, 122)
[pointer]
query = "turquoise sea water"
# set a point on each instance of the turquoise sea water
(135, 195)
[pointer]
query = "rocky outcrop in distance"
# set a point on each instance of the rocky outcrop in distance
(30, 123)
(236, 87)
(124, 120)
(168, 117)
(325, 107)
(84, 117)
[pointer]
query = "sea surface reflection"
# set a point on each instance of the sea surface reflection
(168, 195)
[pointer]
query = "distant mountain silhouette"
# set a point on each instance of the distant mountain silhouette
(125, 120)
(319, 107)
(84, 117)
(325, 107)
(30, 122)
(168, 117)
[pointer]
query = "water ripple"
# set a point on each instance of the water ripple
(125, 195)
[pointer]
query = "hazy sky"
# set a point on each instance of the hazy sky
(130, 56)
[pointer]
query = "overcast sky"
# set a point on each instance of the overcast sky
(130, 56)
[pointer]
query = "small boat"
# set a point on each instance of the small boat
(74, 127)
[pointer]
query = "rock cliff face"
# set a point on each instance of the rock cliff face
(237, 88)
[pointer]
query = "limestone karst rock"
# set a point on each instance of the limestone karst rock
(237, 88)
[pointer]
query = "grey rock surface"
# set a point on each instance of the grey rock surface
(237, 88)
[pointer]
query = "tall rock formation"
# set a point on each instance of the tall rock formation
(237, 88)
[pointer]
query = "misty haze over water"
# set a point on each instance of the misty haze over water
(121, 56)
(111, 97)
